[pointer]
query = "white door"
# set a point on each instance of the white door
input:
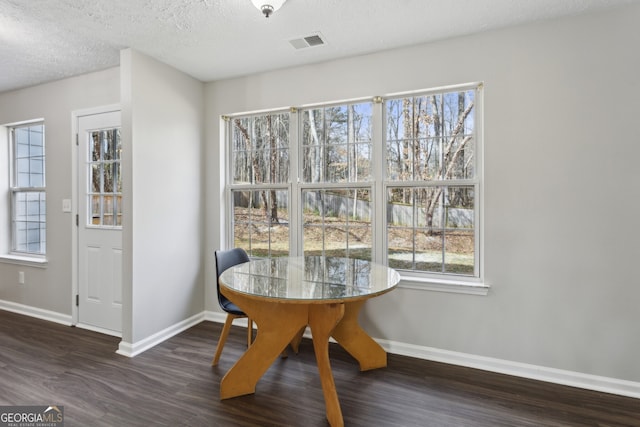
(100, 223)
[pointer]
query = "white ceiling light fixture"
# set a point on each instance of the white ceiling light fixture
(267, 7)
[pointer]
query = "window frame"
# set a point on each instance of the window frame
(95, 218)
(299, 187)
(230, 187)
(443, 281)
(378, 185)
(13, 252)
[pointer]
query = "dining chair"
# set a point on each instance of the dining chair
(225, 260)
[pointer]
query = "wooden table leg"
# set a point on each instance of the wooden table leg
(322, 319)
(278, 324)
(349, 334)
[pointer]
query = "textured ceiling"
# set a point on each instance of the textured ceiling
(44, 40)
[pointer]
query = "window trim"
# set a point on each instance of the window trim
(472, 285)
(24, 259)
(7, 253)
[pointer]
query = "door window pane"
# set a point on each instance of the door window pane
(105, 183)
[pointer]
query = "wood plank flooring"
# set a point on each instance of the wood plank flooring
(173, 384)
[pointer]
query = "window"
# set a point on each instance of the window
(393, 179)
(260, 183)
(105, 187)
(336, 186)
(28, 197)
(431, 182)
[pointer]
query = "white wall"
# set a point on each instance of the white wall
(50, 288)
(561, 187)
(162, 119)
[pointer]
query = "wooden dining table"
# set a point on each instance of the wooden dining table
(285, 295)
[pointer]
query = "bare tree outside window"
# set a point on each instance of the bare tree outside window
(260, 151)
(394, 180)
(336, 149)
(430, 144)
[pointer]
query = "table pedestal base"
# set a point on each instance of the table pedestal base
(279, 323)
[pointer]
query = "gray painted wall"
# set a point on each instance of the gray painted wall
(163, 116)
(561, 100)
(50, 288)
(163, 134)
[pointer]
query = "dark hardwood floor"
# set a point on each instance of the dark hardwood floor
(173, 384)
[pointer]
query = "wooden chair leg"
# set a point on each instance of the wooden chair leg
(249, 331)
(223, 337)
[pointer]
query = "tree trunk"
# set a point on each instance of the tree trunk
(315, 159)
(272, 209)
(405, 171)
(449, 160)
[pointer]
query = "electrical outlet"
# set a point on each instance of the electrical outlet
(21, 277)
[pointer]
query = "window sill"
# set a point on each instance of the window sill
(443, 285)
(24, 260)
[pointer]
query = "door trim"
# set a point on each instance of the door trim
(75, 118)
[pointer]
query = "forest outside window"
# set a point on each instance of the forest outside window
(260, 163)
(393, 179)
(432, 183)
(336, 185)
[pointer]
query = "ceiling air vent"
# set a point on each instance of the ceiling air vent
(308, 41)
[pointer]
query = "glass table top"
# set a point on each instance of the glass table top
(312, 278)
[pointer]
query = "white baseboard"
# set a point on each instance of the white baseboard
(133, 349)
(99, 330)
(219, 317)
(52, 316)
(523, 370)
